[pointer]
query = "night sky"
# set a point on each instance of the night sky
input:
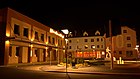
(79, 15)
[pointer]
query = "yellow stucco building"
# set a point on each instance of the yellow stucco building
(24, 40)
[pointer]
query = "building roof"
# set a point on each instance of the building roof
(87, 33)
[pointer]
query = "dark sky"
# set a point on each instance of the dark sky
(79, 15)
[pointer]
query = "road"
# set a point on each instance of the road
(14, 73)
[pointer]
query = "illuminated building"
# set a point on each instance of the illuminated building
(87, 47)
(24, 40)
(124, 44)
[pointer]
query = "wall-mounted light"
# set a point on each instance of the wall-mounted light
(31, 51)
(65, 31)
(103, 53)
(47, 42)
(137, 46)
(32, 39)
(46, 48)
(8, 34)
(56, 44)
(7, 42)
(55, 32)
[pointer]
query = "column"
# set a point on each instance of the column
(5, 54)
(46, 55)
(57, 55)
(31, 53)
(50, 56)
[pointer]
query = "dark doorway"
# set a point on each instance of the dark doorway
(44, 54)
(37, 54)
(29, 50)
(54, 54)
(19, 54)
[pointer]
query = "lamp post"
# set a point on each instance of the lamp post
(65, 31)
(111, 52)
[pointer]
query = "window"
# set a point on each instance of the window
(128, 38)
(77, 47)
(101, 46)
(49, 39)
(61, 42)
(36, 36)
(86, 46)
(36, 52)
(101, 39)
(120, 52)
(42, 37)
(77, 41)
(58, 42)
(53, 40)
(69, 47)
(49, 52)
(128, 45)
(25, 32)
(124, 31)
(86, 40)
(129, 53)
(97, 39)
(69, 41)
(17, 51)
(98, 46)
(16, 29)
(92, 40)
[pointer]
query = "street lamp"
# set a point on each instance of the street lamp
(65, 31)
(111, 52)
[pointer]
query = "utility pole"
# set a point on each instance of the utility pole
(110, 33)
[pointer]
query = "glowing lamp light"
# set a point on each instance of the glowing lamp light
(56, 49)
(7, 42)
(93, 46)
(103, 53)
(32, 39)
(8, 34)
(56, 44)
(31, 46)
(31, 54)
(55, 32)
(46, 48)
(137, 46)
(46, 42)
(66, 40)
(65, 31)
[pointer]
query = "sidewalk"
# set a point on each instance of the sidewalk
(30, 64)
(94, 70)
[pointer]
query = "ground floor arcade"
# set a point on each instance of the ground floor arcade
(26, 52)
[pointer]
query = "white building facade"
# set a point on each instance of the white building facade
(87, 47)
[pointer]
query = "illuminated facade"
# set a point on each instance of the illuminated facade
(24, 40)
(124, 45)
(87, 47)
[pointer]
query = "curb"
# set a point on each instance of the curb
(98, 73)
